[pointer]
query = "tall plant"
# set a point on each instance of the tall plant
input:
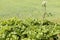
(44, 6)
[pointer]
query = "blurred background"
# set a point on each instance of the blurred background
(29, 8)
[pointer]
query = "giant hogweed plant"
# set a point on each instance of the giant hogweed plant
(45, 14)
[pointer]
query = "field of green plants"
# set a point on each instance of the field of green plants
(23, 20)
(28, 29)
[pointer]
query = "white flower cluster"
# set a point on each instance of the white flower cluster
(44, 3)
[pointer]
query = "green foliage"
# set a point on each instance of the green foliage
(29, 29)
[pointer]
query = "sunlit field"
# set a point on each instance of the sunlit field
(28, 8)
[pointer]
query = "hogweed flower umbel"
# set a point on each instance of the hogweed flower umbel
(44, 7)
(44, 3)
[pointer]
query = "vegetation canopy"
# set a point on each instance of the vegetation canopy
(28, 29)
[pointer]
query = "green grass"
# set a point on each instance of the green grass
(28, 8)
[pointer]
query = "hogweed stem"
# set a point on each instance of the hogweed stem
(44, 6)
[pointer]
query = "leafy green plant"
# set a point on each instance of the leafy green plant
(29, 29)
